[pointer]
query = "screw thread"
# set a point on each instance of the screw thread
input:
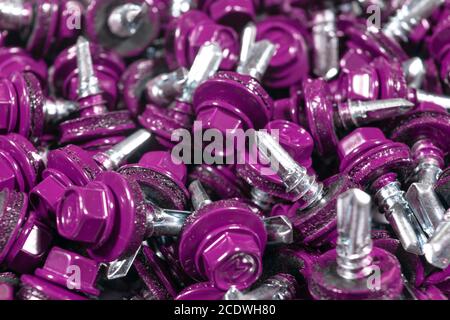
(294, 176)
(114, 157)
(354, 239)
(262, 199)
(205, 65)
(391, 200)
(199, 197)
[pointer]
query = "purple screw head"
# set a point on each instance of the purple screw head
(23, 105)
(61, 266)
(25, 239)
(188, 33)
(220, 182)
(232, 101)
(162, 180)
(67, 166)
(290, 63)
(110, 232)
(21, 163)
(114, 232)
(18, 60)
(162, 122)
(375, 43)
(234, 13)
(126, 27)
(222, 242)
(367, 154)
(34, 288)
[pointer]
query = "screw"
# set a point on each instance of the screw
(205, 65)
(437, 249)
(354, 239)
(89, 92)
(295, 177)
(326, 44)
(362, 158)
(278, 287)
(125, 20)
(408, 17)
(348, 272)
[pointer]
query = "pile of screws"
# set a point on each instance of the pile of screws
(340, 190)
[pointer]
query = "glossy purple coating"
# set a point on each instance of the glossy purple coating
(354, 59)
(34, 288)
(430, 127)
(111, 232)
(163, 122)
(232, 101)
(161, 180)
(316, 226)
(220, 182)
(442, 186)
(320, 115)
(296, 141)
(101, 144)
(18, 60)
(208, 31)
(66, 166)
(185, 35)
(134, 82)
(290, 63)
(153, 274)
(86, 128)
(392, 81)
(22, 105)
(326, 284)
(232, 13)
(20, 163)
(288, 108)
(108, 67)
(375, 43)
(19, 231)
(223, 242)
(8, 284)
(45, 31)
(177, 37)
(61, 265)
(367, 156)
(201, 291)
(96, 20)
(358, 83)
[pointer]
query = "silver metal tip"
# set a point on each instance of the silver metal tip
(354, 237)
(88, 83)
